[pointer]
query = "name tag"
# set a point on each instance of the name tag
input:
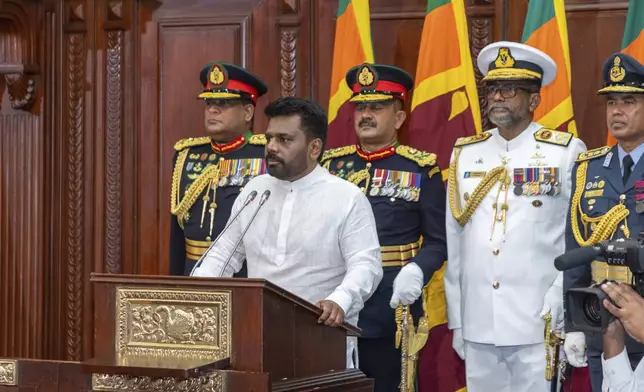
(473, 174)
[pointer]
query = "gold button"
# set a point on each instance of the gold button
(466, 196)
(537, 203)
(495, 251)
(208, 239)
(622, 197)
(495, 285)
(368, 165)
(590, 207)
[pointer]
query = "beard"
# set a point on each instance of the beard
(506, 117)
(286, 171)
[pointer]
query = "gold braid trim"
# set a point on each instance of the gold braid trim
(606, 224)
(181, 209)
(498, 174)
(358, 177)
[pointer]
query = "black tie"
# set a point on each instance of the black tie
(627, 163)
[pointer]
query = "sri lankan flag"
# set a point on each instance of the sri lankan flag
(445, 101)
(545, 29)
(352, 47)
(444, 107)
(633, 41)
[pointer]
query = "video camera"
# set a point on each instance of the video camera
(585, 309)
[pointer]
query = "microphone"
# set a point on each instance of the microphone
(265, 196)
(578, 257)
(249, 199)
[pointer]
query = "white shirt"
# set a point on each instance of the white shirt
(496, 279)
(620, 377)
(315, 237)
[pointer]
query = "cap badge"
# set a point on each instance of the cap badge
(217, 75)
(504, 59)
(617, 72)
(366, 76)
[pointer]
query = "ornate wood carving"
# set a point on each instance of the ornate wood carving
(113, 150)
(75, 129)
(76, 177)
(288, 61)
(480, 36)
(18, 53)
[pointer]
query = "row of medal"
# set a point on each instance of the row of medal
(390, 190)
(535, 181)
(238, 172)
(395, 183)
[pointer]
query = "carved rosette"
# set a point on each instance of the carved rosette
(192, 325)
(8, 372)
(212, 382)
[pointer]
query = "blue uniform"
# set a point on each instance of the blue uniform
(204, 172)
(407, 195)
(598, 192)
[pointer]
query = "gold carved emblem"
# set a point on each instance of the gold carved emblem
(170, 323)
(617, 72)
(504, 59)
(217, 75)
(211, 382)
(365, 76)
(8, 372)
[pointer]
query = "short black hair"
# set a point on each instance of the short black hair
(313, 120)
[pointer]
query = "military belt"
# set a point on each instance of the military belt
(398, 255)
(194, 249)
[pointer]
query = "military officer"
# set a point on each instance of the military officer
(608, 200)
(508, 190)
(406, 191)
(210, 171)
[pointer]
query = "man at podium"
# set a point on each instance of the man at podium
(306, 230)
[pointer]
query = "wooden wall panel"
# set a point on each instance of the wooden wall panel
(596, 30)
(21, 233)
(23, 209)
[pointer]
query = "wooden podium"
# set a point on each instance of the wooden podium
(157, 333)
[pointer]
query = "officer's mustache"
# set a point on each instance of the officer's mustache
(273, 157)
(367, 122)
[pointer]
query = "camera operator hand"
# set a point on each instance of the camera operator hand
(629, 309)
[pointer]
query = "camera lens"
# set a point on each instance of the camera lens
(592, 310)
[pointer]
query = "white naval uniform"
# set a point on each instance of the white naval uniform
(495, 282)
(315, 237)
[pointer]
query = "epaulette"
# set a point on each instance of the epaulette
(551, 136)
(464, 141)
(257, 140)
(190, 142)
(592, 154)
(422, 158)
(338, 152)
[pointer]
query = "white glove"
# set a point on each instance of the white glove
(575, 349)
(553, 303)
(458, 343)
(408, 286)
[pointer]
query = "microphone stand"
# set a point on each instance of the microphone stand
(249, 199)
(265, 196)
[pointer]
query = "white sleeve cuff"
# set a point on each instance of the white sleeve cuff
(617, 370)
(343, 300)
